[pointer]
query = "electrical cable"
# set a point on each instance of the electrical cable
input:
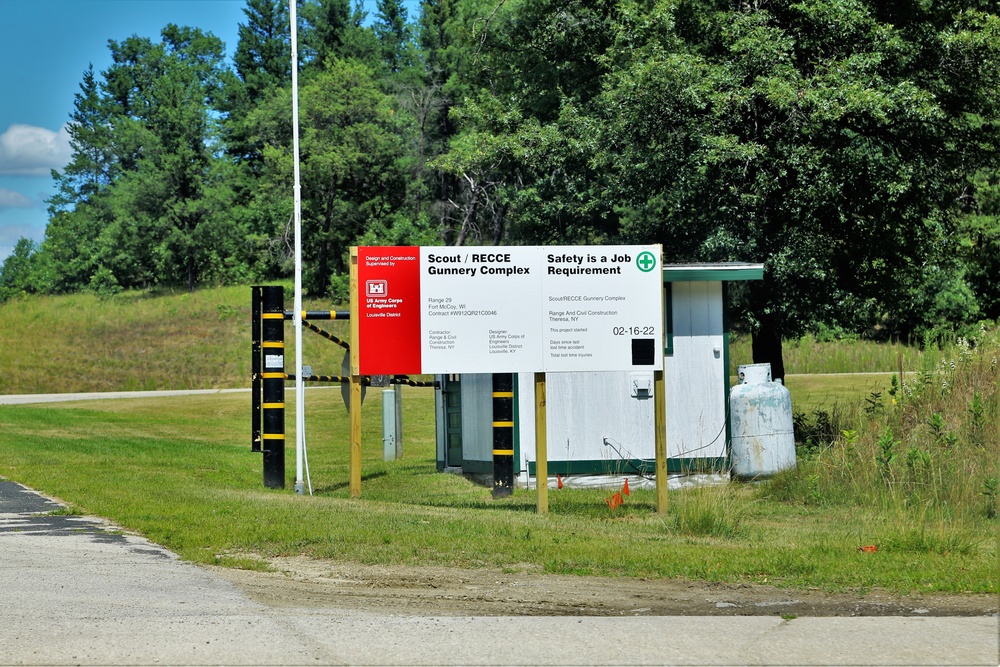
(627, 459)
(684, 453)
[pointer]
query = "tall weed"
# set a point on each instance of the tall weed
(929, 448)
(812, 354)
(808, 355)
(716, 511)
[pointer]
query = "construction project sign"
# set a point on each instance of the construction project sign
(492, 309)
(389, 310)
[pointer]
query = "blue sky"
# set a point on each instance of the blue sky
(45, 47)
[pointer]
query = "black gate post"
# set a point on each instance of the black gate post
(503, 434)
(273, 375)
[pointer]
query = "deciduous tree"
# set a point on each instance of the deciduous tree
(831, 141)
(351, 178)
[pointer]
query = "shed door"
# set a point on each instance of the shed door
(453, 419)
(695, 373)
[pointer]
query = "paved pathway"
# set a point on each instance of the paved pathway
(73, 590)
(20, 399)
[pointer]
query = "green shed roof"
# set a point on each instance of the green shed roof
(725, 271)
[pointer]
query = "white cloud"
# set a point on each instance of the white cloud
(13, 199)
(17, 222)
(26, 150)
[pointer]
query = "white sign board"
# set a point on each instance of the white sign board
(480, 309)
(602, 308)
(541, 308)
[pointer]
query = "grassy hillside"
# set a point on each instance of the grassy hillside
(201, 340)
(140, 341)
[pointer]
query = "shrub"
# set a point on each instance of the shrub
(933, 447)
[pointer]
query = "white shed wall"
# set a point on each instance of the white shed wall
(695, 374)
(585, 408)
(583, 412)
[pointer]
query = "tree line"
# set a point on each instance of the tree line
(849, 145)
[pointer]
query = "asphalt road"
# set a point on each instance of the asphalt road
(21, 399)
(77, 591)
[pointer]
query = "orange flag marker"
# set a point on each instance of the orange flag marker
(625, 488)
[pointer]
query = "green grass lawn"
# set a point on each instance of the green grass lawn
(826, 391)
(180, 471)
(917, 478)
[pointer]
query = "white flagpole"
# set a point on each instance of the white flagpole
(300, 416)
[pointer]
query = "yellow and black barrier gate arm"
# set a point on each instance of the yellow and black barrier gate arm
(366, 380)
(268, 377)
(326, 334)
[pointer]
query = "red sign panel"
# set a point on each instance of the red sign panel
(388, 310)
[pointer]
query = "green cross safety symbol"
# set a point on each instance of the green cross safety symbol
(646, 261)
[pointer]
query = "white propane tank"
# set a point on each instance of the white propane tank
(760, 413)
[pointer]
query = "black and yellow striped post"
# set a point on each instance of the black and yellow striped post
(273, 377)
(503, 434)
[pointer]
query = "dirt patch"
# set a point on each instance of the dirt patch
(524, 590)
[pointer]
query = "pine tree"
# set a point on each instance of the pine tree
(263, 54)
(393, 32)
(79, 211)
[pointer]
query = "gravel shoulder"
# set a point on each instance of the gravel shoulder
(301, 582)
